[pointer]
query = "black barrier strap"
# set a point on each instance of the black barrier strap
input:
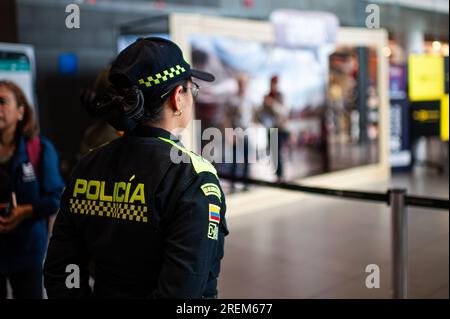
(427, 202)
(366, 196)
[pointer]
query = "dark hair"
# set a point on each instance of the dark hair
(154, 110)
(28, 126)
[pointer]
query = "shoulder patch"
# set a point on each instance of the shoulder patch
(214, 221)
(210, 189)
(200, 164)
(214, 213)
(213, 231)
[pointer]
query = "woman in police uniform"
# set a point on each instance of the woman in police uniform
(146, 212)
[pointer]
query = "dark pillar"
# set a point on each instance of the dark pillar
(8, 21)
(362, 85)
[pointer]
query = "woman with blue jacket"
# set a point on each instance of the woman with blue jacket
(30, 188)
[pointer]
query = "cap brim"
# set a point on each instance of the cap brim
(205, 76)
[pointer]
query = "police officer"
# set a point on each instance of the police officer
(148, 214)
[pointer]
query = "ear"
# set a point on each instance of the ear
(20, 112)
(176, 99)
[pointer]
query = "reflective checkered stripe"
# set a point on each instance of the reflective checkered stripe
(164, 76)
(131, 212)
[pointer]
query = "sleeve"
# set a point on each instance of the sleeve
(66, 273)
(193, 244)
(50, 181)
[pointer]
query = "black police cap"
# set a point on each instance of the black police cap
(152, 64)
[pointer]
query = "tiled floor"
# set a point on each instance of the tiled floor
(320, 247)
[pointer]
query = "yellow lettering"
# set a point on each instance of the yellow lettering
(103, 197)
(97, 190)
(119, 186)
(80, 187)
(127, 193)
(138, 194)
(93, 190)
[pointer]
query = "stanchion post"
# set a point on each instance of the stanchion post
(399, 243)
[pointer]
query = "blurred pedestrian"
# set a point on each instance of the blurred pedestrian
(100, 132)
(30, 188)
(238, 117)
(274, 114)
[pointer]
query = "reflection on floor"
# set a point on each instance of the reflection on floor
(319, 247)
(302, 162)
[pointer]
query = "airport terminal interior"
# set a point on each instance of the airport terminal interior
(345, 98)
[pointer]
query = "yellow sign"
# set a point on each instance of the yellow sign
(444, 118)
(426, 116)
(426, 77)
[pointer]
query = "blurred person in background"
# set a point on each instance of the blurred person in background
(30, 188)
(274, 114)
(239, 116)
(100, 132)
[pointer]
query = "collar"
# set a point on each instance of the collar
(20, 156)
(151, 131)
(21, 151)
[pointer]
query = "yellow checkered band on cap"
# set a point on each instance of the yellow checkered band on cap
(163, 76)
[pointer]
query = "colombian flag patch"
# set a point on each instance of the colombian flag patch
(214, 213)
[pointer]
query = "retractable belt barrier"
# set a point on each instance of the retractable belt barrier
(396, 198)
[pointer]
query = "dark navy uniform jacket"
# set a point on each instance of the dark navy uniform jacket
(146, 215)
